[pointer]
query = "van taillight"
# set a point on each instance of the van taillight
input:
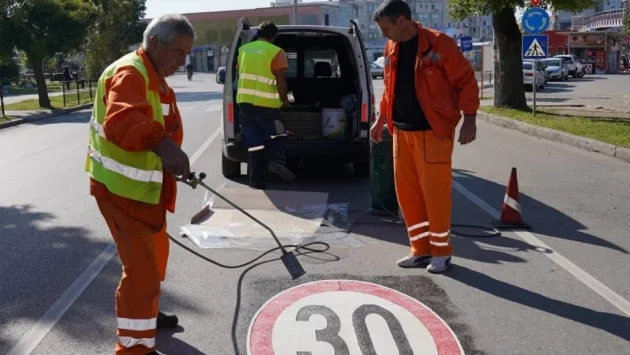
(364, 117)
(230, 112)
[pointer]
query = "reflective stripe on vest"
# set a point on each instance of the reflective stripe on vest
(134, 175)
(256, 82)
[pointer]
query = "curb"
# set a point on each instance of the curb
(587, 144)
(59, 112)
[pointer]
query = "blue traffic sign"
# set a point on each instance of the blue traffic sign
(466, 43)
(535, 20)
(535, 46)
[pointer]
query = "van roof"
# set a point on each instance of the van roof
(307, 28)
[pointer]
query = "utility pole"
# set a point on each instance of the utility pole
(295, 12)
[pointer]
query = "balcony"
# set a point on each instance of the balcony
(600, 20)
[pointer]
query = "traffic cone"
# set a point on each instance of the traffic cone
(511, 217)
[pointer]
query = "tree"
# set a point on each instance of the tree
(118, 26)
(507, 35)
(44, 28)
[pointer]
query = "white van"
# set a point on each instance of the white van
(333, 108)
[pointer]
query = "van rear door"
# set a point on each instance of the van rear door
(367, 94)
(229, 89)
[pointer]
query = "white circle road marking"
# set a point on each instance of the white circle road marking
(345, 317)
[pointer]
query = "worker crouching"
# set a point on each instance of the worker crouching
(135, 151)
(428, 83)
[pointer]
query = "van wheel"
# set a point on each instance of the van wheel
(230, 168)
(361, 168)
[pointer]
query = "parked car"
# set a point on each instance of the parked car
(576, 69)
(542, 70)
(556, 69)
(376, 70)
(329, 77)
(529, 79)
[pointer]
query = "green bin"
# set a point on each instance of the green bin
(383, 200)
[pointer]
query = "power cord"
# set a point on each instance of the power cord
(193, 182)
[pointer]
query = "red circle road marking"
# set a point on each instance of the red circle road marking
(259, 337)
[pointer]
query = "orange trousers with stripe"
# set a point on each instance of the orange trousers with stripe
(143, 250)
(423, 178)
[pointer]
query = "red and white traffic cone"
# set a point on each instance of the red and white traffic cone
(511, 217)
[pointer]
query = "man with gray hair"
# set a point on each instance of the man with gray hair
(134, 154)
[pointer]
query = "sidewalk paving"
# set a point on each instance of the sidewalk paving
(19, 98)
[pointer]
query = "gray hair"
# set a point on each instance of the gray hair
(167, 27)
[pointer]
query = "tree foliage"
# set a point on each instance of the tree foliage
(118, 26)
(44, 28)
(508, 39)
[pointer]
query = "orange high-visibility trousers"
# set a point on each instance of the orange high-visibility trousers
(143, 250)
(422, 171)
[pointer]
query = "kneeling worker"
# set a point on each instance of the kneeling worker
(262, 92)
(428, 83)
(135, 143)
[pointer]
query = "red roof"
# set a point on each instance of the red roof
(556, 39)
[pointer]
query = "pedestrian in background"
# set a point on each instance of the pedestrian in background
(135, 142)
(428, 83)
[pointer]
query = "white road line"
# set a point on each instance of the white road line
(23, 154)
(40, 329)
(611, 296)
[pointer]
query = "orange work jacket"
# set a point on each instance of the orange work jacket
(445, 81)
(129, 124)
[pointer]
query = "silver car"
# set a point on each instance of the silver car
(528, 76)
(376, 70)
(556, 69)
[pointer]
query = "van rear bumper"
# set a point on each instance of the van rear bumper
(348, 151)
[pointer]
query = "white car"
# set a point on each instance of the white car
(556, 69)
(576, 69)
(376, 70)
(528, 76)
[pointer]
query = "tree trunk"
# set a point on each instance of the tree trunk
(40, 79)
(509, 90)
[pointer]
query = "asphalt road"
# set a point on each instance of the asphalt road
(562, 288)
(599, 90)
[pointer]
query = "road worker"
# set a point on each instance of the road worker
(135, 151)
(428, 83)
(262, 92)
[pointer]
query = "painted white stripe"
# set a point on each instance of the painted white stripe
(137, 324)
(512, 203)
(42, 327)
(611, 296)
(253, 149)
(419, 236)
(417, 226)
(279, 135)
(166, 109)
(441, 235)
(264, 95)
(261, 79)
(128, 171)
(128, 342)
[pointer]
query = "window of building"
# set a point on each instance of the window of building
(313, 56)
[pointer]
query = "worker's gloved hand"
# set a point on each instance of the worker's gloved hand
(174, 160)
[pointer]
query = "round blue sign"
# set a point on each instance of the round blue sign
(535, 20)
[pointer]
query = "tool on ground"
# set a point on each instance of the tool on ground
(289, 259)
(511, 217)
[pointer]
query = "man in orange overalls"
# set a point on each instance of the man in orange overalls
(428, 83)
(136, 122)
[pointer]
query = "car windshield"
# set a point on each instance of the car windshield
(552, 62)
(527, 66)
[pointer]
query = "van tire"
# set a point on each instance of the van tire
(230, 169)
(361, 168)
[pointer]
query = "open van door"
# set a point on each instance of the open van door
(229, 88)
(367, 98)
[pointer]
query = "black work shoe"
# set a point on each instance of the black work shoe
(166, 320)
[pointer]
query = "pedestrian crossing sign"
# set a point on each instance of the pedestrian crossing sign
(535, 46)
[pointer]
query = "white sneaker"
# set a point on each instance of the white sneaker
(439, 264)
(411, 261)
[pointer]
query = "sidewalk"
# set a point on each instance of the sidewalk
(19, 98)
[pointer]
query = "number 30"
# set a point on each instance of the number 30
(330, 334)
